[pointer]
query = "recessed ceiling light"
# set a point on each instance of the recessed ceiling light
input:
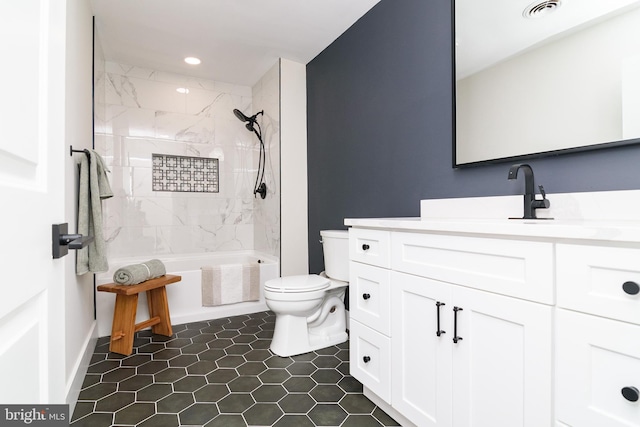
(192, 60)
(182, 90)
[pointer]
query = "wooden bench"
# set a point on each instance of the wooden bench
(124, 314)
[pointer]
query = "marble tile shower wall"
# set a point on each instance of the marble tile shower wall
(144, 114)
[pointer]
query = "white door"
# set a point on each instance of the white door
(32, 199)
(502, 362)
(421, 384)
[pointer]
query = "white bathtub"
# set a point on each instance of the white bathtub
(185, 297)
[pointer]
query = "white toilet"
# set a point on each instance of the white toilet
(309, 309)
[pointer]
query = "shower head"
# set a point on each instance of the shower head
(240, 115)
(250, 120)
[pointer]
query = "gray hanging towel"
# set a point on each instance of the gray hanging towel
(94, 186)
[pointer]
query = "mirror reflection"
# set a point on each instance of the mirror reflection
(538, 77)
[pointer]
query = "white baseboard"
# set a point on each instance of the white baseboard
(74, 384)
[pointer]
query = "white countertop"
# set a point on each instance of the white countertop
(610, 216)
(613, 231)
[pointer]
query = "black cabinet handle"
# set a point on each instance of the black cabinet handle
(632, 288)
(630, 393)
(365, 247)
(366, 296)
(438, 305)
(456, 338)
(366, 359)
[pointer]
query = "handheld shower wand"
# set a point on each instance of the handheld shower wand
(251, 123)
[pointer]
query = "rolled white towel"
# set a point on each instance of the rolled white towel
(138, 273)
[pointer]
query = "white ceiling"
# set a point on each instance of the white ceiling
(237, 40)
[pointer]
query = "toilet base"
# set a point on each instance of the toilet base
(318, 342)
(292, 334)
(288, 348)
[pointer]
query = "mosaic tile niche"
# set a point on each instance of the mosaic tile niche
(185, 174)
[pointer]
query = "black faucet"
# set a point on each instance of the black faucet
(530, 202)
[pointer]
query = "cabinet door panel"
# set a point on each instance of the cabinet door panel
(597, 358)
(421, 382)
(502, 364)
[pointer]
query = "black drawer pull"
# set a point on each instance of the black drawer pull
(366, 296)
(366, 359)
(365, 247)
(630, 393)
(438, 305)
(456, 338)
(631, 288)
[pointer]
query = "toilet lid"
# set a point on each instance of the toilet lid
(304, 283)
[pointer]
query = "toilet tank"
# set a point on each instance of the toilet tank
(335, 246)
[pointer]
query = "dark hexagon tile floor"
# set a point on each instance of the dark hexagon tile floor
(222, 373)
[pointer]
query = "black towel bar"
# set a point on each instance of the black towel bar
(71, 151)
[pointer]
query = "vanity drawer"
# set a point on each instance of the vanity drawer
(370, 246)
(370, 296)
(598, 363)
(521, 269)
(370, 359)
(599, 280)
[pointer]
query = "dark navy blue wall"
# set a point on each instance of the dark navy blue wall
(380, 127)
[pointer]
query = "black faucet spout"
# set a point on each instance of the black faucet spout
(529, 185)
(530, 202)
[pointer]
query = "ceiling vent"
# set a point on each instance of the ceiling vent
(541, 8)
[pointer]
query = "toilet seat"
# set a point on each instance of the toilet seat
(295, 284)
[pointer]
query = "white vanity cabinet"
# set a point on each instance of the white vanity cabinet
(549, 327)
(497, 372)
